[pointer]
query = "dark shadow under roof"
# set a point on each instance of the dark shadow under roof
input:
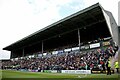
(84, 18)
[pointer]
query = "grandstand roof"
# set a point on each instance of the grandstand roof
(90, 21)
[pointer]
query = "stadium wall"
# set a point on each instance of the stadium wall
(114, 31)
(119, 35)
(112, 25)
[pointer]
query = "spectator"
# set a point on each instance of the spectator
(116, 66)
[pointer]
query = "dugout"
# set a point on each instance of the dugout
(86, 25)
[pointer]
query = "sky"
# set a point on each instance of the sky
(20, 18)
(119, 13)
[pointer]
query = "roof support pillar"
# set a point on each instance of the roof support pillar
(11, 54)
(42, 47)
(23, 52)
(79, 38)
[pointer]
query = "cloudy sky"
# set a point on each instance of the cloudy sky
(20, 18)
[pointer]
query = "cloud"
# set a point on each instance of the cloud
(23, 17)
(19, 18)
(4, 54)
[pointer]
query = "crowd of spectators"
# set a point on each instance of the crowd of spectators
(73, 60)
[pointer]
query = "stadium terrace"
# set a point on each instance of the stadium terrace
(82, 41)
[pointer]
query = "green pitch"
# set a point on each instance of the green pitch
(17, 75)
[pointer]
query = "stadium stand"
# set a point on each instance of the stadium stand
(82, 41)
(90, 59)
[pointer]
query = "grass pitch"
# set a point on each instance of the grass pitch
(18, 75)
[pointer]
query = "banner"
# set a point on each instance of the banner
(106, 43)
(50, 71)
(95, 45)
(76, 71)
(85, 47)
(75, 48)
(53, 71)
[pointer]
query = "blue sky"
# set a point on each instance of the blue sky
(20, 18)
(71, 8)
